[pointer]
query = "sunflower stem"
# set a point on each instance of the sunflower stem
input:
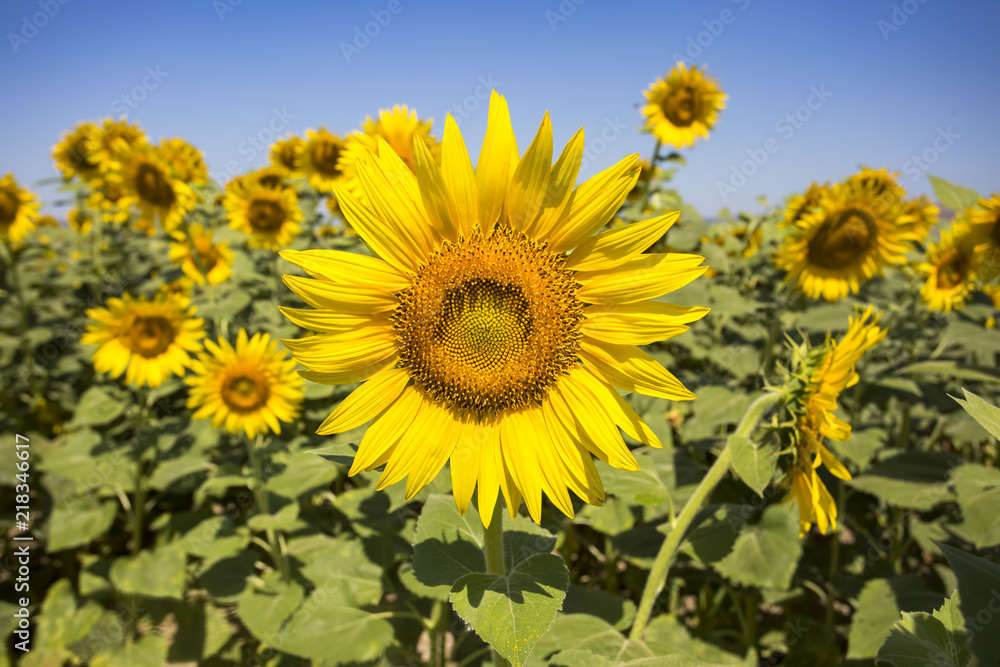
(139, 506)
(649, 175)
(260, 494)
(493, 551)
(665, 557)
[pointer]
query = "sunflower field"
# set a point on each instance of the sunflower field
(374, 404)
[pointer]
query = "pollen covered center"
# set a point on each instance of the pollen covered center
(153, 186)
(842, 239)
(151, 336)
(9, 204)
(265, 215)
(953, 268)
(682, 107)
(245, 392)
(490, 323)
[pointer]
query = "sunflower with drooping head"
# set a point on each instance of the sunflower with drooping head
(494, 323)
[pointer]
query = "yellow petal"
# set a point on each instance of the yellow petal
(562, 178)
(490, 472)
(589, 425)
(437, 199)
(530, 182)
(638, 323)
(631, 369)
(621, 412)
(836, 468)
(351, 375)
(343, 298)
(520, 462)
(644, 277)
(383, 238)
(593, 203)
(366, 402)
(348, 267)
(329, 321)
(335, 353)
(386, 431)
(493, 169)
(465, 462)
(460, 177)
(616, 246)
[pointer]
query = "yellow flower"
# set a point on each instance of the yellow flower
(18, 210)
(74, 152)
(834, 373)
(287, 154)
(47, 221)
(150, 182)
(397, 127)
(114, 139)
(481, 341)
(752, 242)
(882, 183)
(186, 161)
(152, 339)
(683, 107)
(800, 205)
(921, 214)
(847, 239)
(79, 221)
(270, 215)
(216, 258)
(251, 387)
(321, 157)
(950, 269)
(984, 225)
(110, 198)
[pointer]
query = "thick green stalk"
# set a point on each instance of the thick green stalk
(665, 558)
(493, 551)
(260, 494)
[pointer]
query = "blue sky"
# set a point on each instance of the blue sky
(887, 80)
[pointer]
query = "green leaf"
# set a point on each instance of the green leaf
(225, 579)
(613, 517)
(264, 612)
(765, 554)
(878, 608)
(754, 463)
(666, 636)
(986, 414)
(978, 491)
(911, 479)
(510, 612)
(448, 546)
(343, 566)
(303, 472)
(979, 598)
(97, 407)
(326, 628)
(920, 639)
(639, 487)
(77, 521)
(950, 369)
(171, 470)
(148, 651)
(156, 574)
(61, 623)
(616, 610)
(955, 197)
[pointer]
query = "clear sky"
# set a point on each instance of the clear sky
(887, 79)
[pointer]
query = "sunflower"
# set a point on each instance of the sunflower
(799, 205)
(74, 153)
(881, 182)
(251, 387)
(152, 339)
(950, 269)
(321, 156)
(921, 214)
(186, 161)
(216, 258)
(481, 340)
(80, 220)
(270, 215)
(984, 225)
(110, 198)
(847, 239)
(397, 127)
(18, 210)
(150, 182)
(834, 372)
(287, 154)
(683, 107)
(115, 139)
(751, 241)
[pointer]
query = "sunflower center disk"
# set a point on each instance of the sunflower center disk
(265, 215)
(681, 108)
(324, 158)
(489, 324)
(150, 336)
(243, 393)
(842, 240)
(153, 187)
(954, 267)
(8, 207)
